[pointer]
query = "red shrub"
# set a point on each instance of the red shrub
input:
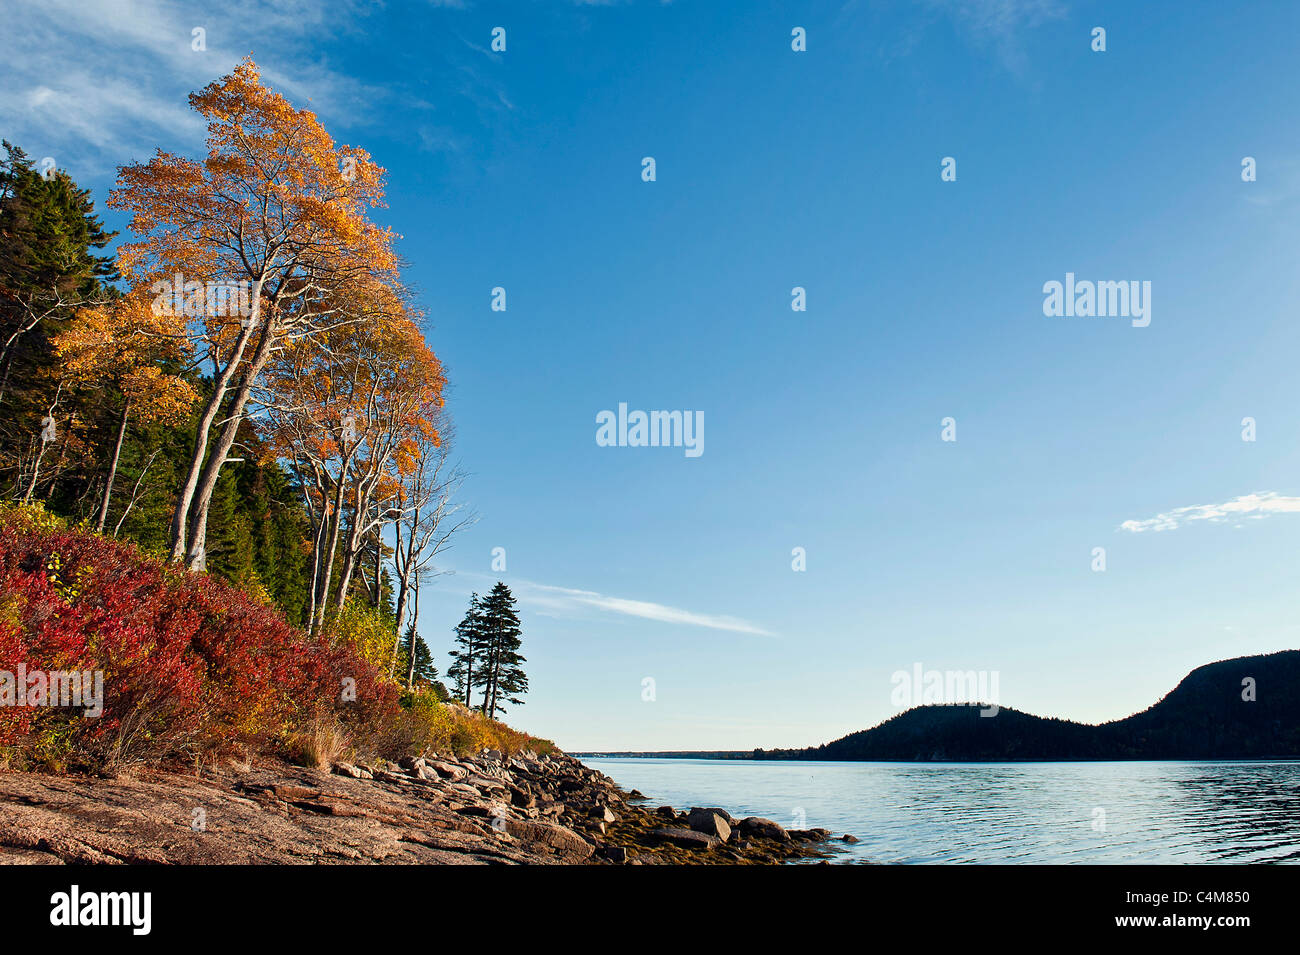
(188, 662)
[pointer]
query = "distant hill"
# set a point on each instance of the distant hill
(1204, 717)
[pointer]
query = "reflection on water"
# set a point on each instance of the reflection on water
(1123, 812)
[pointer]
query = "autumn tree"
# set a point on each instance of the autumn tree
(114, 343)
(350, 410)
(428, 516)
(402, 384)
(273, 220)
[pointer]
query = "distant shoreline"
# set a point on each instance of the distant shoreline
(773, 758)
(1245, 708)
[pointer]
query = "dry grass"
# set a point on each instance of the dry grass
(320, 743)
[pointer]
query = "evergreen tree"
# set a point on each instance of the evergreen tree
(469, 646)
(500, 674)
(424, 673)
(48, 269)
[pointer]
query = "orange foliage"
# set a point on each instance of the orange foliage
(117, 342)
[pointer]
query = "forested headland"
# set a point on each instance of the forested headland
(226, 462)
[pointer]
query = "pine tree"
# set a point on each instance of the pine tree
(423, 673)
(469, 647)
(502, 678)
(48, 270)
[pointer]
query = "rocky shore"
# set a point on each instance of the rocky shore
(487, 809)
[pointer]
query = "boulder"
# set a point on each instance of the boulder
(686, 838)
(763, 829)
(710, 822)
(347, 769)
(564, 841)
(448, 770)
(603, 814)
(731, 820)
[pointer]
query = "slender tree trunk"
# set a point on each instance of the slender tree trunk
(4, 376)
(496, 685)
(102, 518)
(196, 553)
(490, 685)
(350, 551)
(317, 555)
(410, 666)
(36, 473)
(63, 459)
(220, 384)
(410, 663)
(40, 455)
(401, 604)
(379, 562)
(469, 681)
(327, 571)
(135, 491)
(404, 565)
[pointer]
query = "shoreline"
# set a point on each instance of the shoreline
(705, 757)
(486, 809)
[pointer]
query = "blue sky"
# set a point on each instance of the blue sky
(818, 169)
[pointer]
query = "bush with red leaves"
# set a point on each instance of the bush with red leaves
(190, 664)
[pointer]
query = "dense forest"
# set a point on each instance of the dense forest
(242, 389)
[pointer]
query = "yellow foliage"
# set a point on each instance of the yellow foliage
(365, 630)
(253, 586)
(118, 342)
(29, 517)
(430, 726)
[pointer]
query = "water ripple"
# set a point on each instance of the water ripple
(1078, 813)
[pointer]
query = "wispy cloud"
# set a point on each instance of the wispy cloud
(1248, 506)
(566, 601)
(1000, 24)
(98, 82)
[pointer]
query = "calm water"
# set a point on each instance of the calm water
(1004, 813)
